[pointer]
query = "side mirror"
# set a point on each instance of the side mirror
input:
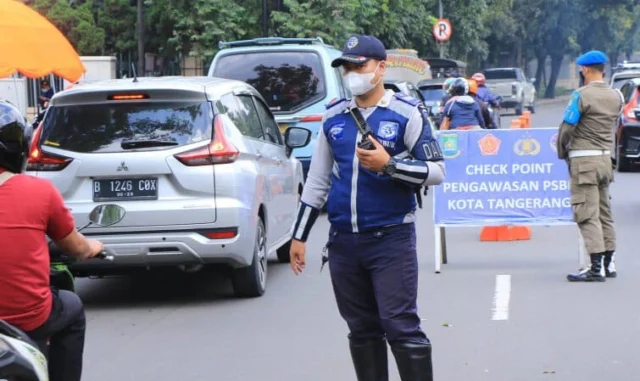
(533, 80)
(106, 215)
(296, 137)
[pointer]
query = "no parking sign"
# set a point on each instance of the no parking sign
(442, 30)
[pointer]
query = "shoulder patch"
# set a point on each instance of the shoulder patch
(406, 99)
(336, 102)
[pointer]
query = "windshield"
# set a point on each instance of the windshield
(103, 128)
(432, 93)
(500, 74)
(288, 81)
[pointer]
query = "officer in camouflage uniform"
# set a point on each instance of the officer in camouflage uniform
(585, 140)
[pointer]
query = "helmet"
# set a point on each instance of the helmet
(447, 84)
(479, 77)
(473, 86)
(15, 138)
(459, 87)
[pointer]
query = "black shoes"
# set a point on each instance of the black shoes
(370, 359)
(591, 274)
(609, 264)
(414, 361)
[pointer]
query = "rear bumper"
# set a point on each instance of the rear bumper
(508, 102)
(174, 246)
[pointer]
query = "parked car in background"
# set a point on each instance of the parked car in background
(406, 88)
(294, 76)
(432, 91)
(627, 136)
(516, 90)
(198, 163)
(619, 78)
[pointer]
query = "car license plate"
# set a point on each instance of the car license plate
(125, 189)
(283, 127)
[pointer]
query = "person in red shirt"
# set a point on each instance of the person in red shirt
(31, 209)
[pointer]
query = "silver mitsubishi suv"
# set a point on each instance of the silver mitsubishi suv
(198, 163)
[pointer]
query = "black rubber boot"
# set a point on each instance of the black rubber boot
(414, 361)
(591, 274)
(370, 359)
(609, 264)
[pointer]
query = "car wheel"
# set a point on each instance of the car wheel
(518, 109)
(251, 281)
(622, 163)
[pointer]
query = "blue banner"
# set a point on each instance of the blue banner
(502, 177)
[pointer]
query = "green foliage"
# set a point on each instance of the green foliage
(485, 32)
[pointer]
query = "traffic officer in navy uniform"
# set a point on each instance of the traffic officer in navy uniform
(585, 139)
(370, 188)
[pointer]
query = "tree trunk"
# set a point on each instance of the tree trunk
(556, 64)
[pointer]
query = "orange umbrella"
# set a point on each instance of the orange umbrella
(31, 45)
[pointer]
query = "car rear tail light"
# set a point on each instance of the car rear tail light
(221, 233)
(43, 161)
(311, 118)
(219, 151)
(631, 114)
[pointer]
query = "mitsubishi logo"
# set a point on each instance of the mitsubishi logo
(123, 167)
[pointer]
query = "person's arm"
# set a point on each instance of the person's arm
(571, 117)
(426, 165)
(62, 230)
(316, 188)
(486, 115)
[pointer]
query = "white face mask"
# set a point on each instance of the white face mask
(360, 84)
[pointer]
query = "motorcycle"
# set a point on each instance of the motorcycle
(495, 113)
(20, 356)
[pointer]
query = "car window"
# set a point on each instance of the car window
(344, 91)
(103, 128)
(500, 74)
(269, 125)
(288, 81)
(434, 93)
(243, 114)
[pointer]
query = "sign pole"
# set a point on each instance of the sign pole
(440, 44)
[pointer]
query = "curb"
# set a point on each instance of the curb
(546, 101)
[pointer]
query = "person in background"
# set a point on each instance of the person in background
(484, 94)
(46, 93)
(585, 139)
(372, 154)
(461, 112)
(473, 93)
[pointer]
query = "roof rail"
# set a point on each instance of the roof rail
(269, 41)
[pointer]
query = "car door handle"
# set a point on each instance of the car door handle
(258, 156)
(277, 160)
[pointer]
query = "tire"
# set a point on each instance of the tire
(622, 163)
(251, 281)
(518, 109)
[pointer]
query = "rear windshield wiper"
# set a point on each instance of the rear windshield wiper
(144, 143)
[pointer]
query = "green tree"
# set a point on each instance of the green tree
(118, 19)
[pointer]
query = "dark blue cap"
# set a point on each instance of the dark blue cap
(593, 57)
(360, 49)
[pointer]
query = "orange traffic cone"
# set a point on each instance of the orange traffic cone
(516, 123)
(505, 233)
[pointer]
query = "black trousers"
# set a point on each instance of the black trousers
(65, 330)
(375, 282)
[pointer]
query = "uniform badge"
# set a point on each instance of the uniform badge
(388, 133)
(336, 131)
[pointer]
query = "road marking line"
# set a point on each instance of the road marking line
(501, 298)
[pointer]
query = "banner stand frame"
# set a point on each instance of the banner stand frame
(440, 246)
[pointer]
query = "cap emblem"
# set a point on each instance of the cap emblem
(352, 43)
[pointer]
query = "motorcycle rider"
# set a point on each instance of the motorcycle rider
(484, 94)
(31, 209)
(462, 112)
(473, 93)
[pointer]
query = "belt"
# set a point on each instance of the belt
(589, 152)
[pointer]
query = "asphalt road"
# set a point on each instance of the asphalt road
(179, 327)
